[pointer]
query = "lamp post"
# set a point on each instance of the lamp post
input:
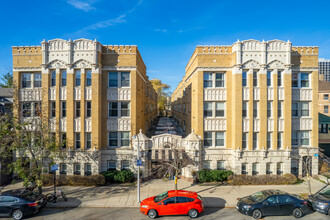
(138, 174)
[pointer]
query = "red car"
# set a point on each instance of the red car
(174, 202)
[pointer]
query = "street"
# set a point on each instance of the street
(133, 213)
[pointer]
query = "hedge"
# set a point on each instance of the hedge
(73, 180)
(116, 176)
(285, 179)
(213, 175)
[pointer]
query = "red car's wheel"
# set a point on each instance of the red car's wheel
(193, 213)
(152, 213)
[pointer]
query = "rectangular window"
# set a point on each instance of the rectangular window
(208, 106)
(295, 80)
(279, 168)
(255, 140)
(268, 168)
(294, 138)
(207, 139)
(77, 169)
(244, 170)
(269, 78)
(63, 80)
(304, 138)
(208, 80)
(52, 109)
(63, 169)
(112, 165)
(245, 109)
(88, 169)
(53, 78)
(219, 109)
(124, 139)
(63, 140)
(37, 109)
(220, 165)
(326, 109)
(88, 140)
(269, 109)
(206, 165)
(26, 80)
(295, 109)
(26, 109)
(255, 109)
(113, 109)
(269, 140)
(113, 79)
(125, 165)
(77, 140)
(244, 141)
(37, 80)
(219, 80)
(326, 97)
(125, 110)
(304, 109)
(220, 139)
(255, 169)
(279, 140)
(244, 78)
(88, 109)
(279, 78)
(304, 79)
(125, 79)
(88, 77)
(63, 107)
(77, 109)
(78, 77)
(323, 128)
(255, 78)
(113, 139)
(279, 109)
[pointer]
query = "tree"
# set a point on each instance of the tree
(7, 80)
(162, 95)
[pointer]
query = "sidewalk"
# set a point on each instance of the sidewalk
(126, 196)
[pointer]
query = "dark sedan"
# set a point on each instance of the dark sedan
(320, 201)
(272, 202)
(17, 204)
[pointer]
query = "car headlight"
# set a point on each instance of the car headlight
(322, 203)
(246, 206)
(145, 206)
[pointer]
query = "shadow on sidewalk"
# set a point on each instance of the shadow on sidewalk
(214, 202)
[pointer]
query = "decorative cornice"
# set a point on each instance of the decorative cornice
(27, 69)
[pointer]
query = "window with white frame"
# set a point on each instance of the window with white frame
(37, 80)
(279, 110)
(88, 77)
(208, 139)
(88, 140)
(279, 140)
(208, 107)
(31, 80)
(219, 139)
(119, 139)
(279, 168)
(269, 109)
(119, 109)
(304, 138)
(63, 109)
(255, 168)
(207, 165)
(269, 78)
(78, 77)
(244, 169)
(326, 109)
(88, 169)
(28, 109)
(255, 78)
(37, 109)
(125, 165)
(221, 165)
(304, 109)
(323, 128)
(124, 139)
(215, 139)
(63, 80)
(269, 168)
(219, 109)
(125, 79)
(113, 109)
(113, 139)
(245, 109)
(52, 109)
(326, 96)
(279, 78)
(269, 140)
(295, 109)
(112, 165)
(244, 78)
(53, 78)
(63, 168)
(255, 109)
(214, 109)
(214, 80)
(63, 140)
(255, 140)
(77, 141)
(125, 110)
(295, 80)
(300, 109)
(77, 169)
(294, 138)
(299, 138)
(77, 109)
(88, 109)
(119, 79)
(244, 141)
(300, 80)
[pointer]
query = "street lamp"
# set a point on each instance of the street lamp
(138, 165)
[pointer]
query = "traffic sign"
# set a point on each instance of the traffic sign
(139, 162)
(54, 167)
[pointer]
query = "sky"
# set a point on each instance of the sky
(165, 31)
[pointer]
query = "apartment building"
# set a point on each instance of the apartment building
(253, 104)
(324, 69)
(94, 96)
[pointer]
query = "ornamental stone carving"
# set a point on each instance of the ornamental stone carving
(251, 64)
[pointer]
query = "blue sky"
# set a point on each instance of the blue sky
(166, 31)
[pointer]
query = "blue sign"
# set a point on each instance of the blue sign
(54, 167)
(139, 162)
(316, 155)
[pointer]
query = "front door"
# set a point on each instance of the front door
(169, 207)
(271, 206)
(286, 204)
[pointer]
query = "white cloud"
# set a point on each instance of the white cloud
(82, 5)
(160, 30)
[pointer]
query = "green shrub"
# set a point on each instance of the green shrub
(73, 180)
(213, 175)
(116, 176)
(263, 179)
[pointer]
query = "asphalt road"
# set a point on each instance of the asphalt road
(133, 213)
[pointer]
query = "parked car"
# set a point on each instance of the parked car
(272, 202)
(17, 204)
(320, 201)
(174, 202)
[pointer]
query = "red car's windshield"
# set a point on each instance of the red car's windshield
(160, 197)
